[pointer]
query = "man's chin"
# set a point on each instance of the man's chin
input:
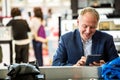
(87, 39)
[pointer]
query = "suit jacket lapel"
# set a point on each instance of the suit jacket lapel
(80, 44)
(95, 44)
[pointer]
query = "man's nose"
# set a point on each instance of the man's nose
(88, 29)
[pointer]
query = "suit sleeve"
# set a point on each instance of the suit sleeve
(110, 50)
(60, 57)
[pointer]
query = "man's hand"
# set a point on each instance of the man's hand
(81, 62)
(97, 63)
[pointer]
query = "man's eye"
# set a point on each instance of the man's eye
(92, 27)
(84, 26)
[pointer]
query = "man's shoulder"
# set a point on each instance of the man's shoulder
(18, 21)
(70, 34)
(102, 34)
(69, 37)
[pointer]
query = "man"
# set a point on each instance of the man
(86, 40)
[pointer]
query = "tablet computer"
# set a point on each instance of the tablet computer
(92, 58)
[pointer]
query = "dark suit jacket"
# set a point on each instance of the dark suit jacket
(70, 48)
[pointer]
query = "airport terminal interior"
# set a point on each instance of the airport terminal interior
(64, 16)
(62, 20)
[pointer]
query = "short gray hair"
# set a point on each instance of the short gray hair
(89, 9)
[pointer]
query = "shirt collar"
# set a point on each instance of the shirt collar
(17, 17)
(89, 40)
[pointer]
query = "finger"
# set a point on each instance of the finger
(83, 57)
(96, 63)
(102, 62)
(81, 63)
(90, 64)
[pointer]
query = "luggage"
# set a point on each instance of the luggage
(111, 70)
(24, 71)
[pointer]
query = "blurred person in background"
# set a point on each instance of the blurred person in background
(48, 16)
(35, 23)
(20, 29)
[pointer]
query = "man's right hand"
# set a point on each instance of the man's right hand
(81, 62)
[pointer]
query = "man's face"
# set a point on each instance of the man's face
(87, 25)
